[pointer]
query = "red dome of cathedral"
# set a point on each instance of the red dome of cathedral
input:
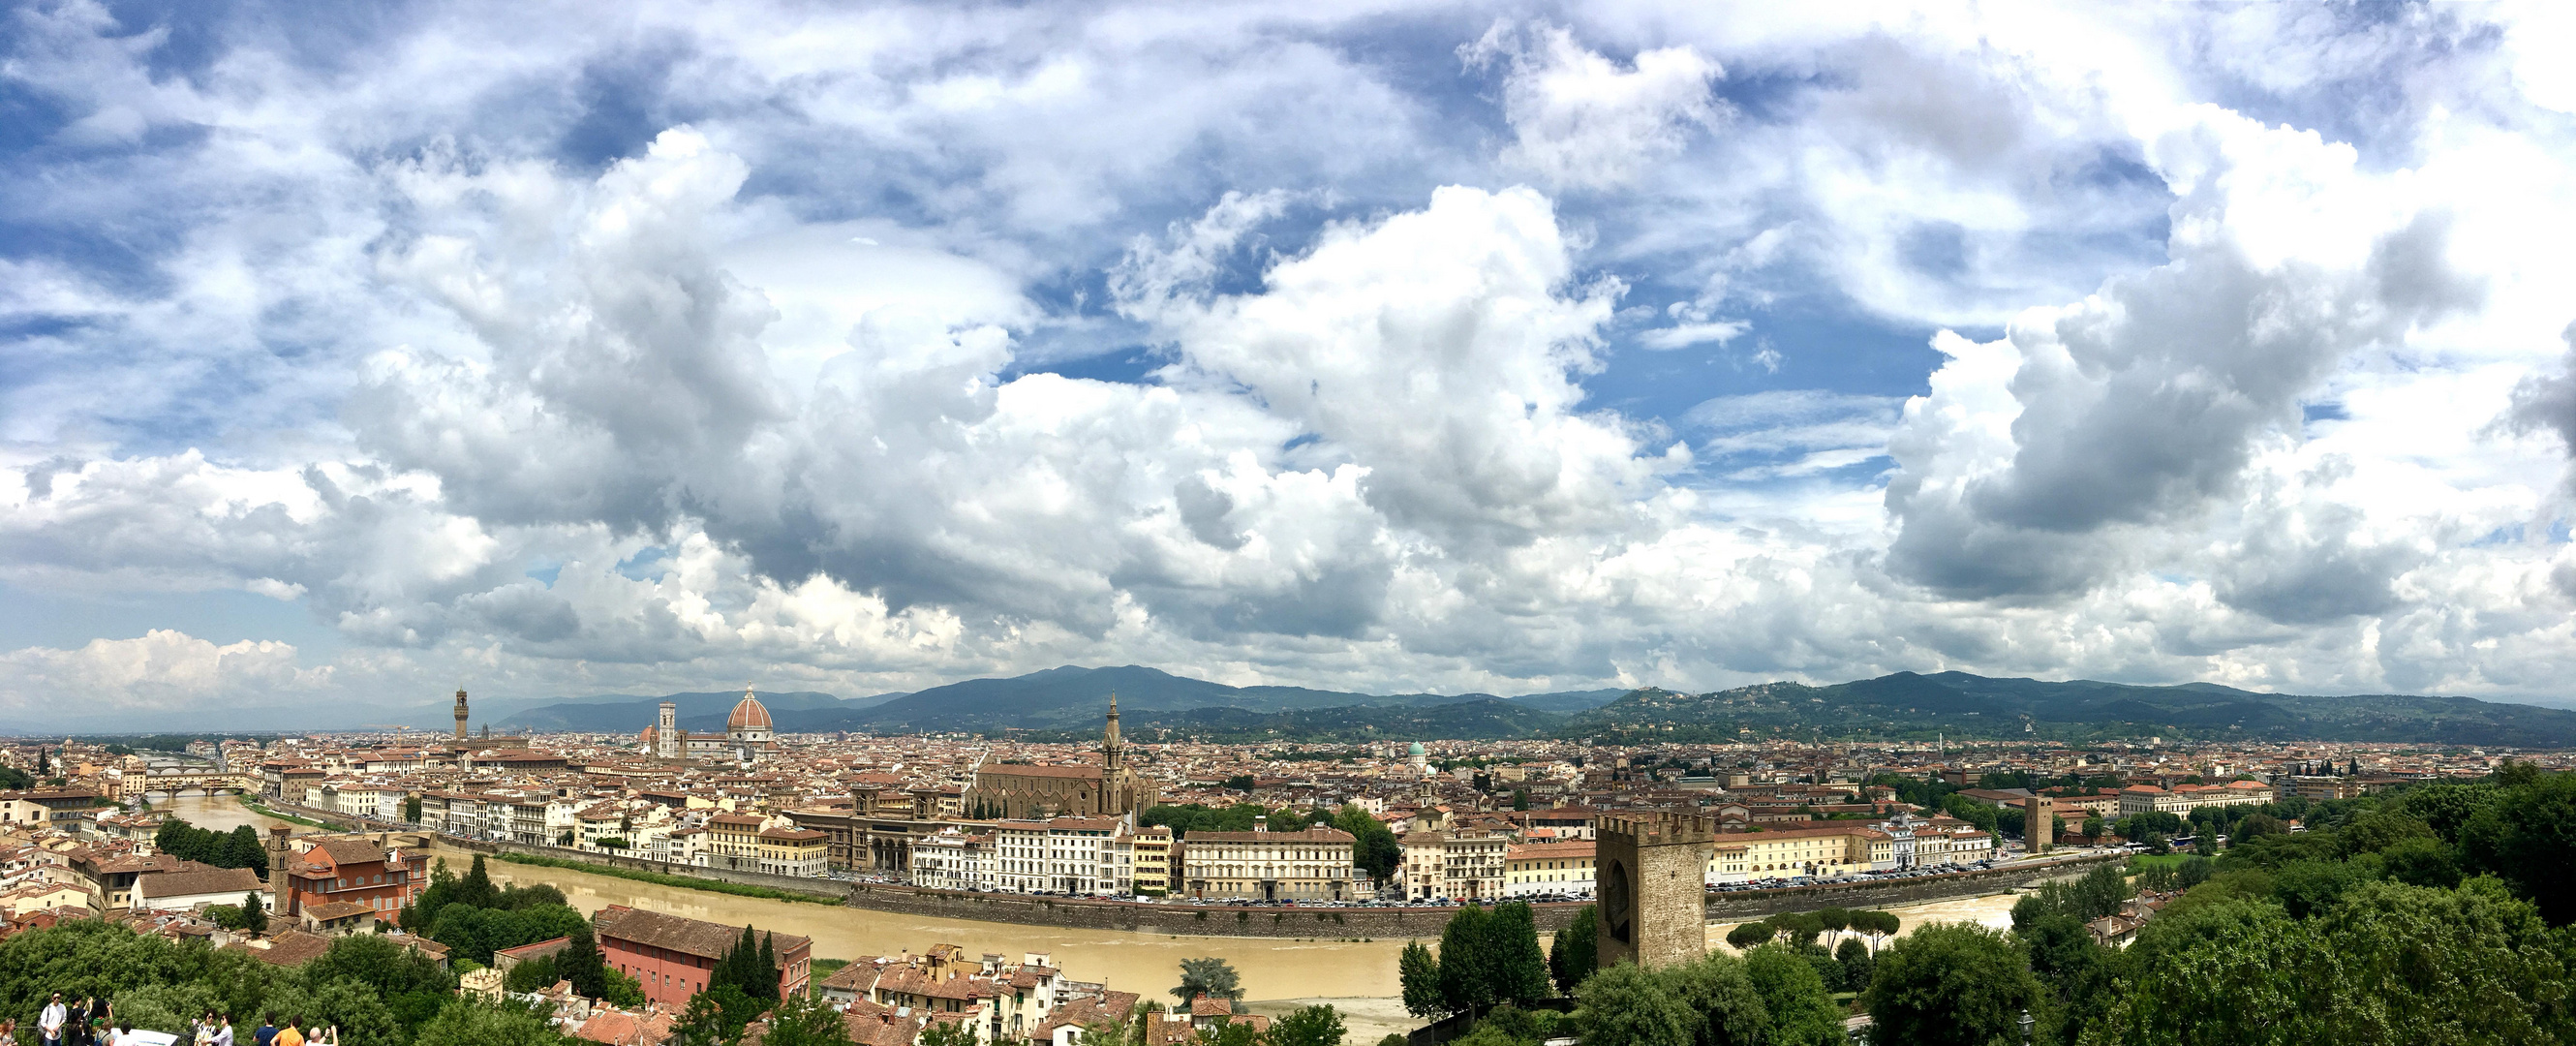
(748, 715)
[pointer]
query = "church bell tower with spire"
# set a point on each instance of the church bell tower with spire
(1110, 746)
(460, 715)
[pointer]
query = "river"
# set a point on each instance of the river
(1359, 977)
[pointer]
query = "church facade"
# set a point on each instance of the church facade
(1110, 788)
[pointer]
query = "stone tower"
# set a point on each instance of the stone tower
(460, 715)
(1652, 872)
(1110, 745)
(666, 733)
(2039, 822)
(281, 899)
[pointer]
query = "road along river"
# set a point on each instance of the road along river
(1357, 976)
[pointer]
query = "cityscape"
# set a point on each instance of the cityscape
(1245, 523)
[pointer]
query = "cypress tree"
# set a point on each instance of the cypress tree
(581, 963)
(768, 970)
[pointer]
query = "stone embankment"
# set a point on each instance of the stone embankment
(1149, 917)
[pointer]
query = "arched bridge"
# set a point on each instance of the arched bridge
(208, 781)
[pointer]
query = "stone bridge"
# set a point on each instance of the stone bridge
(176, 782)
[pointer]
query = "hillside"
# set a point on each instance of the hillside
(1076, 698)
(1956, 704)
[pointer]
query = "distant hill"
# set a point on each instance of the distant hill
(1569, 700)
(1073, 696)
(1960, 705)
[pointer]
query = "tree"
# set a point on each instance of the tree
(254, 915)
(1470, 976)
(805, 1020)
(1373, 849)
(2226, 973)
(1575, 952)
(1879, 925)
(1520, 799)
(1951, 984)
(1792, 993)
(1747, 936)
(465, 1022)
(1517, 967)
(1835, 921)
(717, 1015)
(948, 1033)
(2078, 972)
(2527, 837)
(1857, 963)
(1626, 1006)
(581, 963)
(2418, 965)
(1725, 1008)
(767, 970)
(1419, 974)
(476, 888)
(411, 809)
(1308, 1026)
(1211, 977)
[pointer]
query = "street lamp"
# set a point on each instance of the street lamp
(2025, 1027)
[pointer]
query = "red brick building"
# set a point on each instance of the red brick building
(352, 871)
(671, 956)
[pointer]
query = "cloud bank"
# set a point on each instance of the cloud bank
(862, 349)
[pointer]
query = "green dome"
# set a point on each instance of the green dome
(1415, 750)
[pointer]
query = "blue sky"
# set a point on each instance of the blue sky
(349, 352)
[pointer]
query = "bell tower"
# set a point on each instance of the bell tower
(460, 715)
(1110, 744)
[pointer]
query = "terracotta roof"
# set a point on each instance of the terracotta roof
(335, 910)
(1019, 770)
(291, 948)
(205, 881)
(686, 936)
(1308, 835)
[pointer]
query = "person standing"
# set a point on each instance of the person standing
(224, 1030)
(49, 1024)
(287, 1035)
(266, 1033)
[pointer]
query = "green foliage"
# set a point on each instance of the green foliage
(1374, 849)
(1626, 1006)
(533, 975)
(411, 809)
(1724, 1006)
(2527, 837)
(1575, 951)
(1794, 996)
(473, 1023)
(1746, 936)
(1516, 964)
(1211, 977)
(749, 967)
(1856, 962)
(805, 1021)
(239, 848)
(581, 964)
(1195, 817)
(1469, 977)
(718, 1014)
(1419, 975)
(1308, 1026)
(2222, 974)
(947, 1033)
(1952, 984)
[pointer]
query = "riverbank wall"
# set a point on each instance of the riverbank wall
(1146, 917)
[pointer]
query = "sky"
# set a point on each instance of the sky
(353, 353)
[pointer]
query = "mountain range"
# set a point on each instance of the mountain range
(1070, 701)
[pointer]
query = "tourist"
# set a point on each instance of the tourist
(267, 1032)
(8, 1033)
(49, 1024)
(287, 1035)
(223, 1030)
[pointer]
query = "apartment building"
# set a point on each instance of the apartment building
(1081, 855)
(1312, 864)
(1468, 864)
(1547, 868)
